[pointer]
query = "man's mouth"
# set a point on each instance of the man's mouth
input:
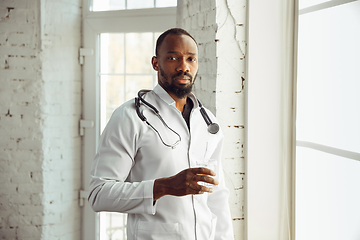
(183, 80)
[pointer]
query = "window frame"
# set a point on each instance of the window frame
(90, 7)
(348, 155)
(93, 24)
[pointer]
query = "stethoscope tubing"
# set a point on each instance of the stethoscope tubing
(213, 128)
(143, 118)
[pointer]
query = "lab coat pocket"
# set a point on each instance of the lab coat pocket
(213, 227)
(157, 231)
(210, 146)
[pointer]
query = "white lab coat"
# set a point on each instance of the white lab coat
(131, 156)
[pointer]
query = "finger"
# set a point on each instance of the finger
(206, 179)
(204, 189)
(199, 189)
(203, 170)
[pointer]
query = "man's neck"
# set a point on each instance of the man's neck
(179, 102)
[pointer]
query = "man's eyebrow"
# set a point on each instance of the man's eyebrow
(175, 52)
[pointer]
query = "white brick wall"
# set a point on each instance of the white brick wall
(21, 94)
(40, 106)
(219, 28)
(230, 50)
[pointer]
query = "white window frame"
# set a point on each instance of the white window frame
(95, 23)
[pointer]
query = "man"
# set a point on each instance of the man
(168, 191)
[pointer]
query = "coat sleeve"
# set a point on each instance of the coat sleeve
(218, 202)
(109, 189)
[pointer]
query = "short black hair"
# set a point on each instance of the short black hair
(174, 31)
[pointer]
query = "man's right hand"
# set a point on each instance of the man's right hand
(185, 183)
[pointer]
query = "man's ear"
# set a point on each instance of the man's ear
(155, 63)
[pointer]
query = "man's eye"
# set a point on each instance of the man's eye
(192, 59)
(172, 58)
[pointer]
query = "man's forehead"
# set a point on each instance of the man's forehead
(178, 44)
(177, 52)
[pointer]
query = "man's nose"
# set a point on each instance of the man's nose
(183, 66)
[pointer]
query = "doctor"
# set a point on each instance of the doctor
(169, 192)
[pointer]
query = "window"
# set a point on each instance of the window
(123, 43)
(110, 5)
(328, 121)
(124, 68)
(327, 165)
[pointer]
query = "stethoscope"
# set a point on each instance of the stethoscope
(213, 128)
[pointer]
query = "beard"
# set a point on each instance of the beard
(179, 91)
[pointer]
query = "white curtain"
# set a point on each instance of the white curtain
(270, 119)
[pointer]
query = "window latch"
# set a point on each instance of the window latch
(85, 124)
(82, 197)
(84, 52)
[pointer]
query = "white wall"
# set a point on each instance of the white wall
(219, 28)
(40, 105)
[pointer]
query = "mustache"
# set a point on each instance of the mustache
(183, 74)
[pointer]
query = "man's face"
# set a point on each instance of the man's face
(177, 64)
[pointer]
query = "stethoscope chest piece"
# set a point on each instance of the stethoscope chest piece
(213, 128)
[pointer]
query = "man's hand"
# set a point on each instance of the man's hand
(185, 183)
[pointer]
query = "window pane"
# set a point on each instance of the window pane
(136, 4)
(118, 85)
(113, 96)
(108, 5)
(113, 226)
(136, 83)
(139, 50)
(166, 3)
(310, 3)
(328, 77)
(327, 196)
(112, 53)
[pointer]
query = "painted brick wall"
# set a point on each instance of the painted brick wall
(230, 101)
(199, 19)
(61, 73)
(40, 106)
(219, 28)
(21, 121)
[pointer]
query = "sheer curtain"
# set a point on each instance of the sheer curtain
(270, 119)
